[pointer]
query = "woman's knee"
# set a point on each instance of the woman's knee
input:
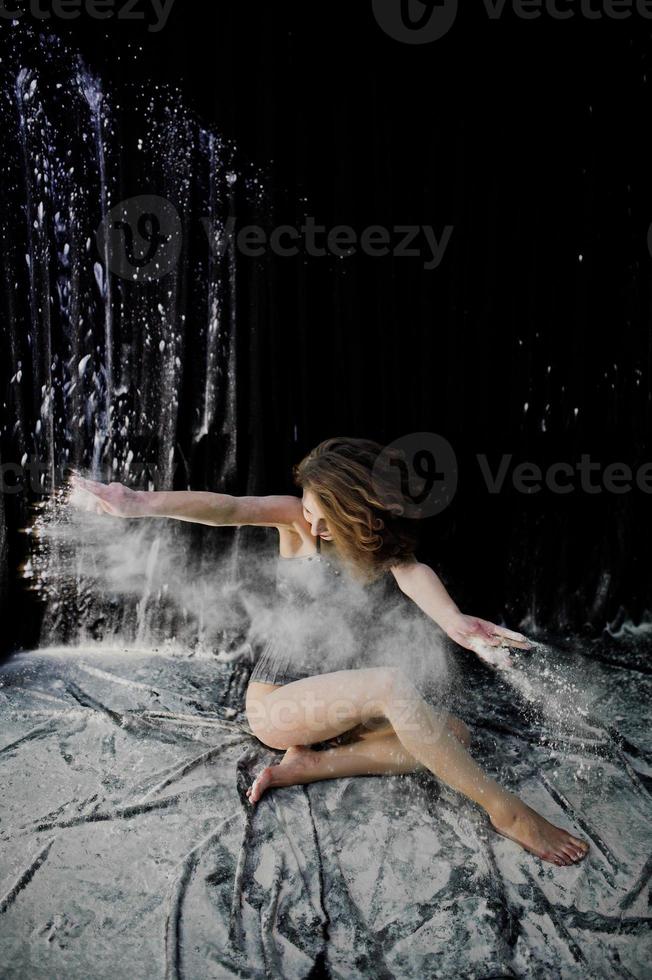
(384, 689)
(275, 721)
(275, 740)
(274, 736)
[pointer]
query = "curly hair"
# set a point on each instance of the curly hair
(352, 480)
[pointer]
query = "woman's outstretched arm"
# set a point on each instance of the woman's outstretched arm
(421, 584)
(196, 506)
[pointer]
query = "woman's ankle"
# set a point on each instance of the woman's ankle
(503, 805)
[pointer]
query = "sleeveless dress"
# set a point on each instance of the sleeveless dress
(320, 617)
(324, 621)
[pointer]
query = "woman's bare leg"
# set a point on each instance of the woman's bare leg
(326, 705)
(377, 753)
(384, 756)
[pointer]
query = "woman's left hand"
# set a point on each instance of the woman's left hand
(488, 640)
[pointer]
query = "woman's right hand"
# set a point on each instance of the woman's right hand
(111, 498)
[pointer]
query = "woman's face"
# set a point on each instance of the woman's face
(315, 516)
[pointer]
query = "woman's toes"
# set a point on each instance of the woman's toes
(574, 851)
(258, 786)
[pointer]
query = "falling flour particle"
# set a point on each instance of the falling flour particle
(99, 276)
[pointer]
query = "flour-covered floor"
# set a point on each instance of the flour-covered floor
(128, 847)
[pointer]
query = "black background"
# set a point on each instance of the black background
(531, 139)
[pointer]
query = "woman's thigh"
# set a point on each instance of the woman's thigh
(317, 708)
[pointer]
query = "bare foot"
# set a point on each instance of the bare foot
(288, 772)
(534, 833)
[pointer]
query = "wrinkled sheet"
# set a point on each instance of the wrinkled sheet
(128, 847)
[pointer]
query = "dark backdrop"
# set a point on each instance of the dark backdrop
(530, 139)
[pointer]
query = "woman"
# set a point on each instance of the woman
(350, 504)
